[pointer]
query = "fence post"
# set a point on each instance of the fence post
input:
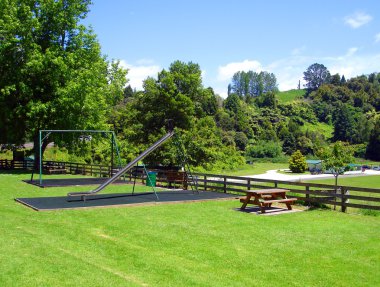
(249, 184)
(205, 182)
(344, 191)
(275, 184)
(225, 184)
(307, 189)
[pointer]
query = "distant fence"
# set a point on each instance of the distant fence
(310, 193)
(54, 167)
(342, 196)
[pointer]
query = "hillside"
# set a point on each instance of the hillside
(291, 95)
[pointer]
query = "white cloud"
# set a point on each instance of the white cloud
(289, 71)
(377, 38)
(357, 20)
(351, 52)
(138, 73)
(297, 51)
(226, 72)
(350, 64)
(355, 65)
(221, 92)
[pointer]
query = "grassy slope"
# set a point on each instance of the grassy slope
(323, 128)
(291, 95)
(198, 244)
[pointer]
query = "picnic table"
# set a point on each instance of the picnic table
(266, 197)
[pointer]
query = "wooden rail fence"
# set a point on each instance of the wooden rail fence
(342, 196)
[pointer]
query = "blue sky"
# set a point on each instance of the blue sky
(223, 37)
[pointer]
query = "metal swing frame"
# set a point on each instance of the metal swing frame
(43, 134)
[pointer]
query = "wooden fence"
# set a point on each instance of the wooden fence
(96, 170)
(310, 193)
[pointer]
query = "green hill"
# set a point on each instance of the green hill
(291, 95)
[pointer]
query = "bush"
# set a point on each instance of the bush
(264, 149)
(297, 162)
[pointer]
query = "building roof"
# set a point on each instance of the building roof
(313, 161)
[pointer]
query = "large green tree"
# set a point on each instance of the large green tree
(316, 75)
(344, 119)
(252, 84)
(336, 158)
(53, 75)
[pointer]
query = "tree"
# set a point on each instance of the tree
(373, 147)
(251, 84)
(336, 158)
(315, 76)
(342, 80)
(241, 140)
(289, 145)
(335, 79)
(264, 149)
(53, 73)
(297, 162)
(162, 100)
(344, 120)
(268, 100)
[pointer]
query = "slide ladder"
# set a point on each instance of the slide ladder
(182, 158)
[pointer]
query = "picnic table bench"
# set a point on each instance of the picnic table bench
(266, 197)
(51, 168)
(176, 177)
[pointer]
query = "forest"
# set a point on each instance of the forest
(54, 76)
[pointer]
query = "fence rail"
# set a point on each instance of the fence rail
(342, 196)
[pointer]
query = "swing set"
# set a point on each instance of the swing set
(85, 135)
(80, 136)
(180, 152)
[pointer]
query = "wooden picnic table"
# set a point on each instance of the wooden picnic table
(266, 197)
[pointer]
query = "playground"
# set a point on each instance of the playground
(172, 237)
(203, 243)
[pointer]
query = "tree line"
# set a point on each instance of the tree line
(54, 76)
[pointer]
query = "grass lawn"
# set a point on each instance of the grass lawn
(370, 181)
(252, 169)
(194, 244)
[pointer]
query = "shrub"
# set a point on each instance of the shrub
(297, 162)
(264, 149)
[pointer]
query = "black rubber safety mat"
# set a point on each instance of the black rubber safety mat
(126, 199)
(57, 182)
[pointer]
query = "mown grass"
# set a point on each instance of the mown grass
(370, 181)
(195, 244)
(252, 169)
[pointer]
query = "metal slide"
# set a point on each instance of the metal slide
(126, 168)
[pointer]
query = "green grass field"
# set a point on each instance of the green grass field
(290, 96)
(193, 244)
(252, 169)
(371, 181)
